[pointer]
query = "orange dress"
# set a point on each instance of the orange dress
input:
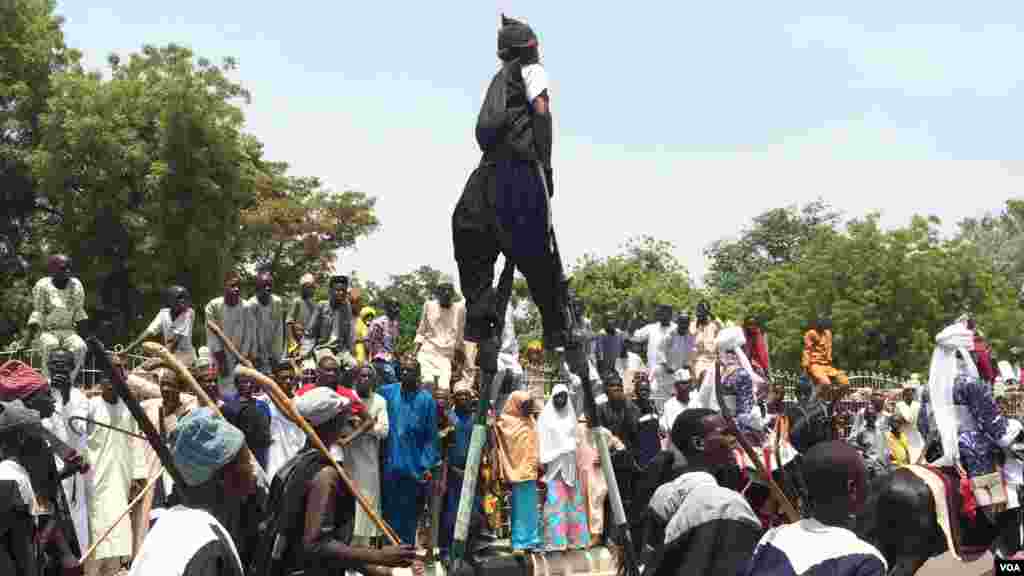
(817, 359)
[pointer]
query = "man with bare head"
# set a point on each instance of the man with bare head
(823, 544)
(228, 312)
(58, 311)
(266, 315)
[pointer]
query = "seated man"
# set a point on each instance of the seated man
(817, 360)
(823, 544)
(58, 310)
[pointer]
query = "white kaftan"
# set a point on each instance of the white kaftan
(266, 332)
(658, 338)
(232, 321)
(362, 462)
(286, 440)
(114, 458)
(439, 334)
(57, 312)
(75, 435)
(166, 327)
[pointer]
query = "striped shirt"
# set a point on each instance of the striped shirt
(810, 548)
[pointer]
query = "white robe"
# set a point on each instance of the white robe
(74, 434)
(439, 335)
(114, 458)
(232, 321)
(286, 440)
(362, 462)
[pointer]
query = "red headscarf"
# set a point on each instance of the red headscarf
(18, 380)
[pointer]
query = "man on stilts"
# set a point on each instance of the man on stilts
(505, 205)
(505, 208)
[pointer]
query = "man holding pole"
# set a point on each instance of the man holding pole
(314, 507)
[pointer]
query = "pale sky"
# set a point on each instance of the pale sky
(680, 120)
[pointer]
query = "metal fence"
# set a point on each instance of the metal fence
(88, 376)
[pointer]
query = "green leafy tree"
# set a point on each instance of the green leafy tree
(999, 238)
(150, 172)
(775, 237)
(410, 290)
(296, 226)
(630, 284)
(32, 50)
(905, 284)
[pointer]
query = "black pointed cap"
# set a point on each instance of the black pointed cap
(514, 34)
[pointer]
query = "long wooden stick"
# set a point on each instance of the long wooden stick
(787, 507)
(362, 429)
(228, 343)
(131, 505)
(284, 404)
(204, 398)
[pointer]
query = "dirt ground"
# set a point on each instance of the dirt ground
(946, 565)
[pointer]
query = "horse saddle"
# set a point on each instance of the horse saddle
(968, 534)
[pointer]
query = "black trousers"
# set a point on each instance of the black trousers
(503, 210)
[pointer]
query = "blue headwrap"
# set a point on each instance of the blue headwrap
(205, 443)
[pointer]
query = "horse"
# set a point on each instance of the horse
(899, 518)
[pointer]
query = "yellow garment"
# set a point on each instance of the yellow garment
(366, 315)
(899, 449)
(517, 440)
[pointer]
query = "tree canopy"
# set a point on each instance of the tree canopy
(146, 178)
(630, 284)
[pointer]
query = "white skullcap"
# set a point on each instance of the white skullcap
(320, 405)
(681, 375)
(558, 389)
(324, 353)
(307, 279)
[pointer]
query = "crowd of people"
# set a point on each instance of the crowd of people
(403, 426)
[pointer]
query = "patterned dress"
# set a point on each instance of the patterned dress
(986, 430)
(565, 512)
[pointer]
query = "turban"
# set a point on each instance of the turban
(18, 380)
(731, 339)
(307, 280)
(205, 443)
(320, 405)
(941, 376)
